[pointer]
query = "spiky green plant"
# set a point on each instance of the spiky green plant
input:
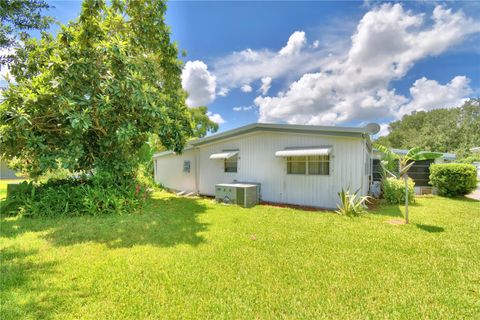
(351, 204)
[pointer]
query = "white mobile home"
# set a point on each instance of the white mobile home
(294, 164)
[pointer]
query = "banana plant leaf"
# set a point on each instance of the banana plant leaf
(426, 155)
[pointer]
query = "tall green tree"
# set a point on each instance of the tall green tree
(17, 17)
(91, 97)
(444, 130)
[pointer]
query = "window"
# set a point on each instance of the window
(296, 165)
(186, 166)
(420, 173)
(231, 164)
(311, 165)
(377, 170)
(319, 165)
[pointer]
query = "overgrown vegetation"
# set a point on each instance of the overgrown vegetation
(453, 179)
(444, 130)
(351, 204)
(94, 195)
(394, 190)
(95, 100)
(469, 159)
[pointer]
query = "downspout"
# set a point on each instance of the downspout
(197, 169)
(365, 164)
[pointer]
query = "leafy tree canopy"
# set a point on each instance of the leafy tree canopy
(93, 96)
(18, 16)
(445, 130)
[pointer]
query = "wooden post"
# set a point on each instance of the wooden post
(406, 197)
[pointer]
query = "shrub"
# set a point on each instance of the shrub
(351, 204)
(95, 195)
(394, 190)
(452, 179)
(470, 159)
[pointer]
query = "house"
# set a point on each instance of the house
(476, 163)
(294, 164)
(6, 172)
(419, 172)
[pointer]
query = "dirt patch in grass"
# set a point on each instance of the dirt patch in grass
(373, 204)
(395, 222)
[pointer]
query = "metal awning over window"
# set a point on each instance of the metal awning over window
(303, 152)
(224, 155)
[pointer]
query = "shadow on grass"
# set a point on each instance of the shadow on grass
(393, 210)
(162, 222)
(23, 274)
(390, 210)
(429, 228)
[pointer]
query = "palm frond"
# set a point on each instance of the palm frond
(412, 153)
(385, 150)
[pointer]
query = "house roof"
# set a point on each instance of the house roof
(328, 130)
(294, 128)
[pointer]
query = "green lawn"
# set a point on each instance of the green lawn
(191, 258)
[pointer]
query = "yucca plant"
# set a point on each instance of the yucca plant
(405, 163)
(351, 204)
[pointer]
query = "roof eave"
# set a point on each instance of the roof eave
(335, 131)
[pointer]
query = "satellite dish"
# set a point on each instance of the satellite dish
(372, 128)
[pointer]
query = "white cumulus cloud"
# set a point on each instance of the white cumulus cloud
(386, 44)
(293, 60)
(295, 43)
(246, 88)
(266, 84)
(429, 94)
(243, 108)
(199, 83)
(215, 117)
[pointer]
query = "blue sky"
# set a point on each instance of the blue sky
(325, 63)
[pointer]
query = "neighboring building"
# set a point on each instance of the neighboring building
(294, 164)
(476, 163)
(419, 172)
(6, 172)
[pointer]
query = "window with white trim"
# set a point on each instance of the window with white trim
(309, 165)
(231, 164)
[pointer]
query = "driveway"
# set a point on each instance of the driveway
(475, 194)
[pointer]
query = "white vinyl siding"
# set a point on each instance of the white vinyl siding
(170, 171)
(257, 163)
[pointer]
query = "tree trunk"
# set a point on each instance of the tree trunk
(405, 176)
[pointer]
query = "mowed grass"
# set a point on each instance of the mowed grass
(191, 258)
